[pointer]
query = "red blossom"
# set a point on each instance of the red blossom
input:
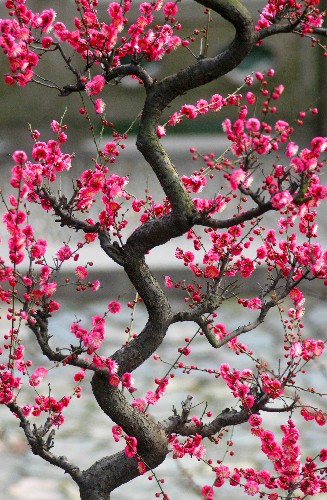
(114, 307)
(38, 375)
(131, 446)
(95, 86)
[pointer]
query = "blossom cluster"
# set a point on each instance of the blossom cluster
(307, 11)
(91, 339)
(250, 139)
(203, 106)
(7, 385)
(16, 39)
(27, 35)
(239, 382)
(98, 182)
(289, 474)
(49, 405)
(192, 446)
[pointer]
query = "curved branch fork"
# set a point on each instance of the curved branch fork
(118, 469)
(160, 95)
(151, 436)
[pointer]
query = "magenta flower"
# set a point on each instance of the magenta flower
(95, 86)
(38, 375)
(114, 307)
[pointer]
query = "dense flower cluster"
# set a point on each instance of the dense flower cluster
(289, 473)
(275, 11)
(239, 383)
(192, 446)
(26, 36)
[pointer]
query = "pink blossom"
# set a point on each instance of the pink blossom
(253, 124)
(188, 257)
(151, 397)
(168, 282)
(139, 404)
(115, 10)
(53, 306)
(307, 414)
(95, 86)
(318, 145)
(236, 178)
(55, 126)
(38, 375)
(170, 9)
(111, 150)
(19, 157)
(207, 492)
(202, 106)
(222, 473)
(141, 467)
(9, 80)
(250, 97)
(114, 380)
(18, 353)
(246, 266)
(96, 285)
(272, 386)
(7, 383)
(254, 303)
(251, 488)
(47, 42)
(255, 420)
(99, 106)
(114, 307)
(131, 446)
(189, 110)
(278, 91)
(127, 380)
(49, 289)
(78, 331)
(161, 131)
(320, 418)
(64, 253)
(112, 365)
(195, 183)
(211, 272)
(281, 125)
(81, 272)
(281, 200)
(296, 350)
(79, 376)
(174, 119)
(96, 335)
(27, 409)
(216, 102)
(117, 432)
(47, 16)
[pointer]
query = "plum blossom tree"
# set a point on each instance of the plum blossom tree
(263, 170)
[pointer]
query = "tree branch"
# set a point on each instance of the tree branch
(205, 220)
(176, 425)
(42, 448)
(152, 442)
